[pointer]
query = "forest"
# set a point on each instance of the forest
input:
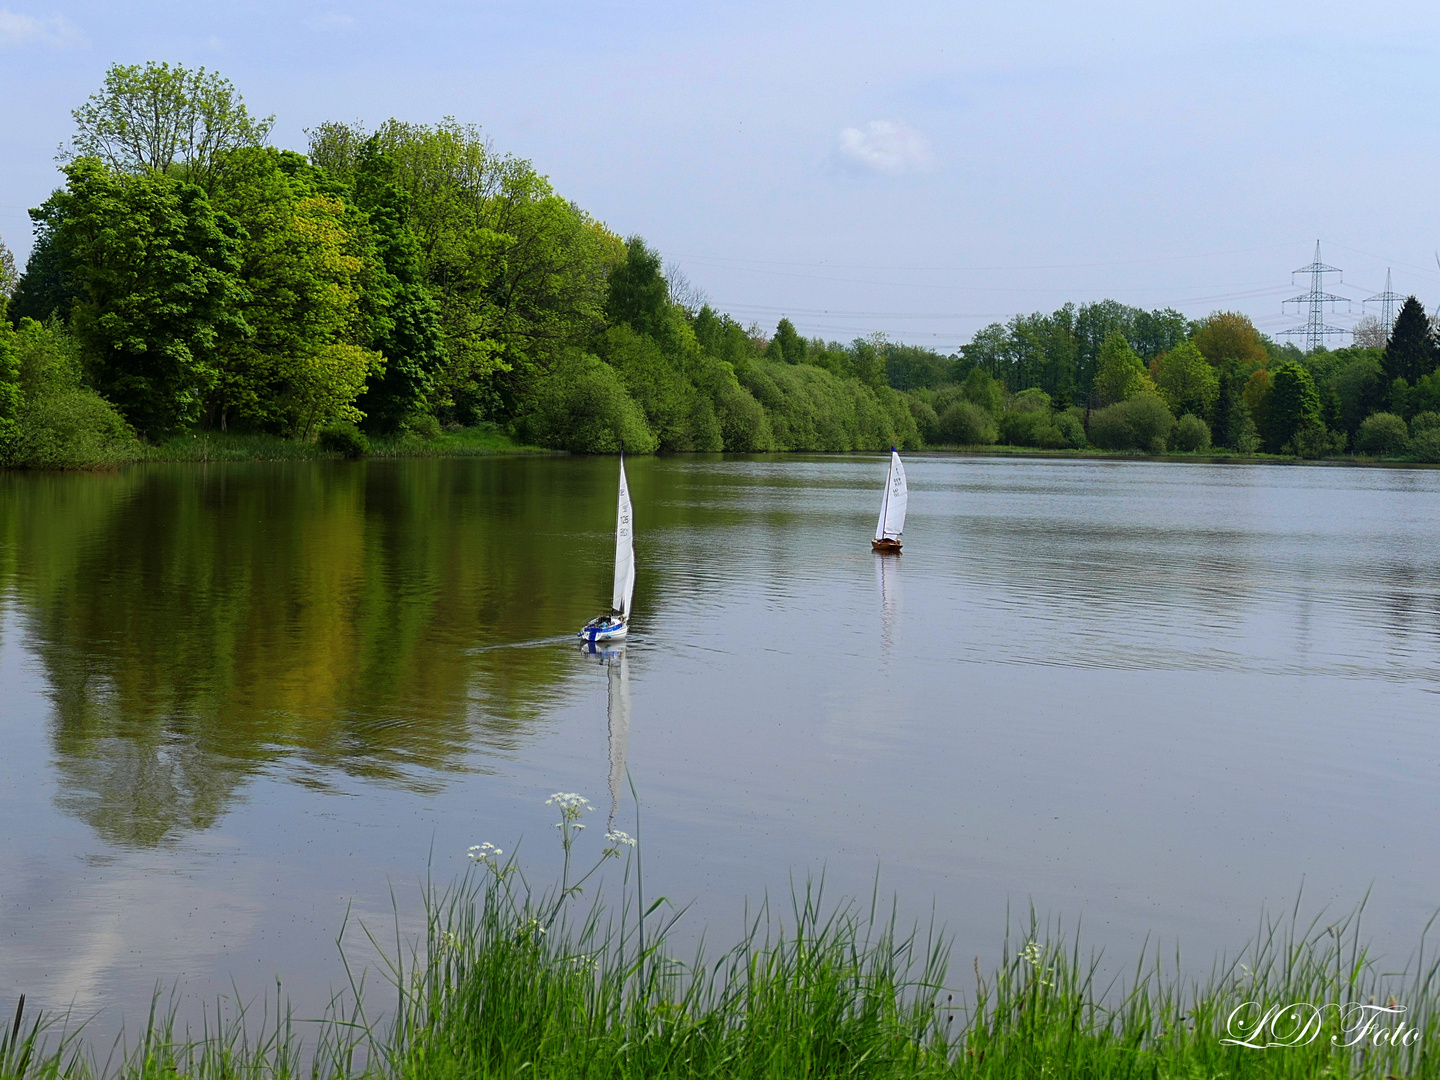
(394, 287)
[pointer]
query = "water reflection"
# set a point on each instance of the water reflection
(617, 715)
(887, 578)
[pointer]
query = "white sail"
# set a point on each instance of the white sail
(624, 551)
(894, 501)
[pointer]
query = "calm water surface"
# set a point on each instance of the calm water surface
(237, 702)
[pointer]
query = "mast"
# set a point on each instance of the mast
(885, 502)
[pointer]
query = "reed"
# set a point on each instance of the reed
(507, 981)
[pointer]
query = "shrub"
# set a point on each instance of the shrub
(1138, 423)
(1071, 429)
(423, 425)
(1425, 446)
(1382, 434)
(966, 424)
(71, 429)
(1424, 422)
(1191, 433)
(1314, 441)
(344, 439)
(581, 406)
(927, 422)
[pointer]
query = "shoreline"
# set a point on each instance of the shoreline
(212, 447)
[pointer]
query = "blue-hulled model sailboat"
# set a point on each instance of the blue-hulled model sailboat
(617, 623)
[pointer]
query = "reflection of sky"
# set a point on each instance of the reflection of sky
(1153, 696)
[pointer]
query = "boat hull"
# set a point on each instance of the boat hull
(602, 631)
(887, 545)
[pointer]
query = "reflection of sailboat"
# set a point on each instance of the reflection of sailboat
(617, 623)
(617, 715)
(892, 507)
(887, 576)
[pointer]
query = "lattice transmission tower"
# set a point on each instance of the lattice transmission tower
(1386, 300)
(1315, 328)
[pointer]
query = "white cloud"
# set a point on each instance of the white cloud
(887, 147)
(17, 29)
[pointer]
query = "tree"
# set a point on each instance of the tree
(1369, 333)
(1120, 374)
(1293, 406)
(787, 344)
(1360, 388)
(305, 266)
(1229, 335)
(410, 335)
(11, 396)
(9, 275)
(1411, 351)
(638, 293)
(1186, 381)
(152, 117)
(153, 265)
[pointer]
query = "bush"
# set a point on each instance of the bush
(423, 425)
(344, 439)
(1315, 441)
(966, 424)
(1424, 422)
(70, 428)
(581, 406)
(1191, 433)
(1382, 434)
(1138, 423)
(927, 421)
(1426, 445)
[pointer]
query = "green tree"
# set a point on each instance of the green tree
(1360, 388)
(153, 265)
(1186, 381)
(787, 345)
(638, 293)
(409, 333)
(152, 118)
(305, 267)
(9, 274)
(1229, 335)
(1120, 374)
(1411, 351)
(11, 395)
(1293, 406)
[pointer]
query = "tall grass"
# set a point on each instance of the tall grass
(509, 982)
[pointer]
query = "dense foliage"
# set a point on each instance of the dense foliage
(190, 278)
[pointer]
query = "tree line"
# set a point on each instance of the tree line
(392, 283)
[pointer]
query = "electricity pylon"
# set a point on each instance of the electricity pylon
(1315, 328)
(1386, 300)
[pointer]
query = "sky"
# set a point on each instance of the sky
(918, 169)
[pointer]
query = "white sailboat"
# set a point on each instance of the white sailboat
(892, 507)
(617, 623)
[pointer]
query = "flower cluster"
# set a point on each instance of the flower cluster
(615, 836)
(485, 853)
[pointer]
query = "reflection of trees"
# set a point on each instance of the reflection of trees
(197, 624)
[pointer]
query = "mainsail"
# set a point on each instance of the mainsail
(892, 506)
(624, 551)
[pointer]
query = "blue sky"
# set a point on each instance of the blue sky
(916, 169)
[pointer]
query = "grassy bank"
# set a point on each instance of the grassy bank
(510, 983)
(224, 446)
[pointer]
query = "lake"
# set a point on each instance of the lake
(241, 703)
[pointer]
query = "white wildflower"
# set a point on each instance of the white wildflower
(486, 852)
(615, 836)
